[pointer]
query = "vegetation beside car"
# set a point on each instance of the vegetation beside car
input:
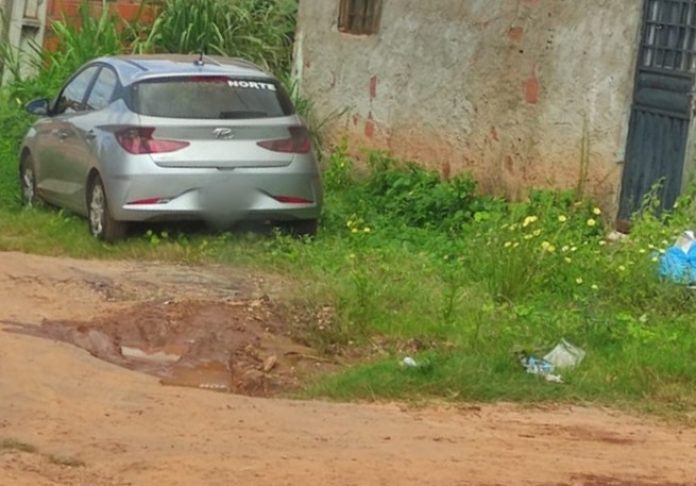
(409, 264)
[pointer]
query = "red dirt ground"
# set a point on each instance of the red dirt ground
(117, 426)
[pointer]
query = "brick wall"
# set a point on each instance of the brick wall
(67, 9)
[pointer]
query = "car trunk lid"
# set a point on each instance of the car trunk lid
(218, 121)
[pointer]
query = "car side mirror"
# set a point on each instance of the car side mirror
(38, 107)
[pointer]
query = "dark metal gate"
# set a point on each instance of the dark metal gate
(662, 105)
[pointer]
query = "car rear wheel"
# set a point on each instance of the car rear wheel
(27, 182)
(101, 224)
(302, 227)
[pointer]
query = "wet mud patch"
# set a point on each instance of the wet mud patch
(243, 347)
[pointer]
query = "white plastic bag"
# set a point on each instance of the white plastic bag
(565, 355)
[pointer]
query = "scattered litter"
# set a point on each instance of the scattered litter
(536, 366)
(678, 264)
(540, 367)
(616, 236)
(563, 356)
(686, 241)
(423, 366)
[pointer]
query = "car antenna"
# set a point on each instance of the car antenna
(200, 61)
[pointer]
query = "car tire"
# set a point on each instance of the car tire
(302, 227)
(101, 224)
(27, 182)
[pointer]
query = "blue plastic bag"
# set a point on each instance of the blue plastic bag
(678, 266)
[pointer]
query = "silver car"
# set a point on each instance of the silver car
(152, 138)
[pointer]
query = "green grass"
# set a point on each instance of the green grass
(57, 459)
(450, 287)
(387, 290)
(65, 461)
(16, 445)
(404, 257)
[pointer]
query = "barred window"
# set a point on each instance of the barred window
(359, 16)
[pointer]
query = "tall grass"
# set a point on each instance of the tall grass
(78, 40)
(260, 31)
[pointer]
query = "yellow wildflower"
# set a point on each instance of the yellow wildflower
(568, 260)
(597, 211)
(354, 230)
(562, 219)
(565, 248)
(366, 230)
(528, 237)
(591, 222)
(602, 243)
(642, 251)
(537, 232)
(654, 259)
(594, 287)
(622, 268)
(508, 244)
(579, 280)
(529, 220)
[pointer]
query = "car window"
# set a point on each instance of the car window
(211, 97)
(103, 90)
(70, 100)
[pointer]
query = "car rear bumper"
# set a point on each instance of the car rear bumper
(223, 195)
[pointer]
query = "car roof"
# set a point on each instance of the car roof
(133, 68)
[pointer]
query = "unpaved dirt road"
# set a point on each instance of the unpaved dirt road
(128, 429)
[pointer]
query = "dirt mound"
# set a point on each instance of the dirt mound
(240, 346)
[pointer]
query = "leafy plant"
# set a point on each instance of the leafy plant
(262, 32)
(77, 41)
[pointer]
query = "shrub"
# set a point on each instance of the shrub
(261, 31)
(78, 41)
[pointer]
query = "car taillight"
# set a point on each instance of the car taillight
(139, 140)
(150, 200)
(292, 200)
(298, 143)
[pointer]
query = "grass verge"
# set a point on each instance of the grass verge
(409, 264)
(462, 295)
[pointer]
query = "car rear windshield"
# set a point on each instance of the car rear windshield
(210, 97)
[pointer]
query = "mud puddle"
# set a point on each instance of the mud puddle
(240, 347)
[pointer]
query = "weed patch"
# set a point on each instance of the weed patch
(407, 263)
(65, 461)
(16, 445)
(459, 293)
